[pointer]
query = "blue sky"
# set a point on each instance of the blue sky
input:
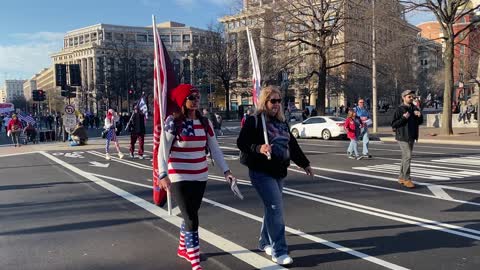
(30, 30)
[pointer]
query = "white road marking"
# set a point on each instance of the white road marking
(235, 250)
(126, 162)
(19, 154)
(426, 223)
(439, 192)
(377, 149)
(98, 164)
(461, 160)
(288, 229)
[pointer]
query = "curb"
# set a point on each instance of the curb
(433, 141)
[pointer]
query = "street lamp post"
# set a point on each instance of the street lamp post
(374, 71)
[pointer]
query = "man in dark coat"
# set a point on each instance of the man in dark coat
(406, 120)
(136, 125)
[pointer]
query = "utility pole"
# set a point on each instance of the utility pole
(374, 71)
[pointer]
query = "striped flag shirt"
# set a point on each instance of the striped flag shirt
(187, 160)
(26, 118)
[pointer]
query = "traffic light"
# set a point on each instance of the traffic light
(61, 75)
(35, 95)
(41, 95)
(74, 71)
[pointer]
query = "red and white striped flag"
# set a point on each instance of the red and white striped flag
(256, 77)
(159, 111)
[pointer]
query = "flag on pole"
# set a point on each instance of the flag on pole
(26, 118)
(256, 77)
(257, 82)
(142, 106)
(164, 80)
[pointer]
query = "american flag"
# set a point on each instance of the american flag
(257, 79)
(26, 118)
(164, 80)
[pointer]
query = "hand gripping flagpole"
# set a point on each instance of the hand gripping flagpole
(257, 83)
(161, 89)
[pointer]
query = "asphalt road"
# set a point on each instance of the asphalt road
(66, 210)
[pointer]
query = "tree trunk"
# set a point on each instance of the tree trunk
(226, 85)
(446, 128)
(321, 86)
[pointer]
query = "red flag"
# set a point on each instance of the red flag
(164, 80)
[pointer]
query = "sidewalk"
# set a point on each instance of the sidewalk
(462, 136)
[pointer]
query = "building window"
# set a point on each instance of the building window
(94, 36)
(150, 38)
(141, 38)
(176, 67)
(186, 71)
(87, 38)
(75, 41)
(186, 38)
(196, 39)
(108, 35)
(81, 40)
(131, 37)
(202, 40)
(118, 36)
(165, 38)
(176, 39)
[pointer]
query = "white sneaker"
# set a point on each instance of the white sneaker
(132, 156)
(141, 157)
(107, 156)
(120, 155)
(268, 250)
(283, 260)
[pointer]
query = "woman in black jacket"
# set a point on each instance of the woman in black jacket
(267, 174)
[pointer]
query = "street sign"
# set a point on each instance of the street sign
(69, 109)
(69, 122)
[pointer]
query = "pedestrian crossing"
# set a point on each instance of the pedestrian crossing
(426, 171)
(472, 160)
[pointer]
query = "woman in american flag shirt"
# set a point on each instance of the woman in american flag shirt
(187, 135)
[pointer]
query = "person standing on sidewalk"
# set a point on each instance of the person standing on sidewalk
(136, 126)
(267, 175)
(187, 135)
(365, 119)
(406, 120)
(110, 127)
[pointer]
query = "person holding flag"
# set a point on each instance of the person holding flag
(187, 136)
(136, 126)
(267, 174)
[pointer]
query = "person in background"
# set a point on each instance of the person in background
(110, 126)
(185, 172)
(219, 122)
(267, 174)
(364, 116)
(79, 135)
(15, 128)
(352, 126)
(136, 126)
(30, 133)
(247, 114)
(406, 120)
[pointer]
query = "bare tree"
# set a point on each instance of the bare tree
(313, 29)
(448, 13)
(218, 58)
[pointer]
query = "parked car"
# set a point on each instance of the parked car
(325, 127)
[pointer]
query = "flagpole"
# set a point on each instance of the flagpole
(161, 104)
(257, 83)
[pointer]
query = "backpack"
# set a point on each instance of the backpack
(244, 155)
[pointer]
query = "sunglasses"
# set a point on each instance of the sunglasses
(193, 97)
(275, 101)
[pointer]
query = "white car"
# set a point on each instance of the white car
(324, 127)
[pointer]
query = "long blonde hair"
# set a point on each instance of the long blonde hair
(265, 97)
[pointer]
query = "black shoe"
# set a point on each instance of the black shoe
(367, 156)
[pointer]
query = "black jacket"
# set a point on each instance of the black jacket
(137, 124)
(251, 136)
(406, 129)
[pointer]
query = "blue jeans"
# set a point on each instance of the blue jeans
(272, 232)
(365, 140)
(353, 147)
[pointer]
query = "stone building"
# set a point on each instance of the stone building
(395, 40)
(114, 59)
